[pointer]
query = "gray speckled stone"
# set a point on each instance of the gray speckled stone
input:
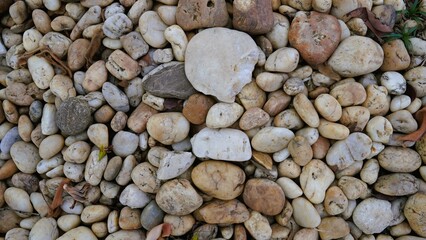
(73, 116)
(152, 215)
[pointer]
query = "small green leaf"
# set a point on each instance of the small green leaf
(195, 236)
(102, 152)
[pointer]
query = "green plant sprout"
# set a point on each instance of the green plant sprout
(413, 12)
(404, 34)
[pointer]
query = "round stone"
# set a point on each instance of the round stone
(264, 196)
(71, 112)
(372, 215)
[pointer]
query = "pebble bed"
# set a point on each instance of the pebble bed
(210, 119)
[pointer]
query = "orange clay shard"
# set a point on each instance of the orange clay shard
(416, 135)
(77, 193)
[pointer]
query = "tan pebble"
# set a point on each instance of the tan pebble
(98, 135)
(100, 229)
(252, 118)
(168, 128)
(332, 130)
(222, 212)
(355, 118)
(258, 226)
(270, 82)
(122, 66)
(7, 170)
(25, 127)
(414, 210)
(139, 118)
(370, 171)
(306, 110)
(320, 147)
(104, 114)
(335, 201)
(51, 145)
(300, 150)
(288, 168)
(305, 214)
(11, 112)
(62, 23)
(264, 195)
(400, 229)
(349, 93)
(333, 228)
(118, 122)
(397, 184)
(379, 129)
(277, 102)
(196, 108)
(62, 86)
(315, 178)
(37, 136)
(95, 76)
(263, 159)
(352, 187)
(180, 224)
(252, 96)
(377, 101)
(402, 121)
(129, 218)
(41, 21)
(396, 56)
(318, 91)
(328, 107)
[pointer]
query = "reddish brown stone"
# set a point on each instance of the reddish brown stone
(253, 17)
(197, 107)
(139, 118)
(194, 14)
(315, 35)
(264, 196)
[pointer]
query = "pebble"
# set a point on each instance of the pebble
(122, 66)
(81, 232)
(115, 97)
(144, 175)
(180, 224)
(264, 196)
(230, 185)
(290, 188)
(45, 228)
(18, 200)
(173, 164)
(328, 107)
(372, 215)
(414, 210)
(331, 130)
(306, 110)
(25, 156)
(252, 96)
(396, 56)
(176, 36)
(124, 143)
(95, 168)
(71, 111)
(94, 213)
(271, 139)
(205, 15)
(258, 226)
(254, 18)
(370, 171)
(230, 66)
(168, 128)
(151, 216)
(178, 197)
(223, 212)
(50, 146)
(68, 222)
(300, 150)
(399, 159)
(402, 121)
(126, 234)
(168, 81)
(314, 47)
(196, 108)
(349, 93)
(152, 29)
(379, 129)
(304, 213)
(130, 219)
(9, 139)
(41, 71)
(397, 184)
(394, 82)
(17, 233)
(283, 60)
(415, 78)
(223, 115)
(335, 201)
(211, 143)
(117, 25)
(346, 60)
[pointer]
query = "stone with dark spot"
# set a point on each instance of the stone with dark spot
(73, 116)
(193, 14)
(264, 196)
(168, 81)
(253, 17)
(315, 35)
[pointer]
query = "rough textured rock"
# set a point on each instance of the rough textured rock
(201, 14)
(168, 81)
(220, 61)
(71, 111)
(414, 211)
(253, 17)
(315, 35)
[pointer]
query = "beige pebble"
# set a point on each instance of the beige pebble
(306, 110)
(397, 184)
(328, 107)
(370, 171)
(402, 121)
(300, 150)
(51, 145)
(289, 118)
(223, 115)
(180, 224)
(270, 82)
(349, 93)
(315, 178)
(95, 76)
(332, 130)
(352, 187)
(277, 102)
(252, 96)
(253, 118)
(333, 227)
(379, 129)
(377, 101)
(304, 213)
(335, 201)
(25, 127)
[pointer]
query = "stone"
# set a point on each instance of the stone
(223, 115)
(315, 179)
(71, 111)
(258, 226)
(399, 159)
(45, 228)
(152, 29)
(94, 213)
(283, 60)
(290, 188)
(178, 197)
(397, 184)
(253, 118)
(306, 110)
(17, 233)
(315, 35)
(18, 200)
(124, 143)
(379, 129)
(81, 232)
(68, 222)
(168, 128)
(334, 131)
(201, 14)
(300, 150)
(126, 234)
(254, 17)
(394, 82)
(117, 25)
(151, 216)
(264, 196)
(215, 66)
(130, 218)
(353, 188)
(177, 38)
(144, 175)
(333, 228)
(396, 56)
(25, 156)
(180, 224)
(9, 139)
(98, 135)
(41, 71)
(271, 139)
(116, 98)
(230, 185)
(196, 108)
(168, 81)
(372, 215)
(414, 210)
(355, 56)
(139, 117)
(415, 77)
(349, 93)
(335, 201)
(173, 164)
(221, 144)
(134, 45)
(223, 212)
(328, 107)
(122, 66)
(50, 146)
(305, 214)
